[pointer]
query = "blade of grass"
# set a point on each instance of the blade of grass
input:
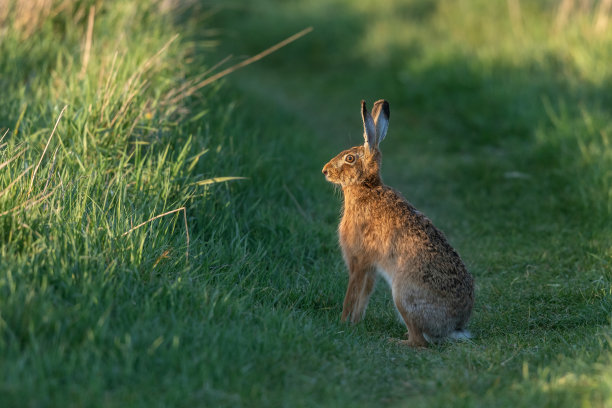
(297, 204)
(46, 147)
(174, 92)
(51, 170)
(29, 203)
(16, 180)
(134, 79)
(12, 159)
(218, 180)
(21, 115)
(163, 215)
(4, 135)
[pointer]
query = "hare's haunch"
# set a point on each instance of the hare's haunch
(381, 232)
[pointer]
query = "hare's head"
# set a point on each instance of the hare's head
(361, 164)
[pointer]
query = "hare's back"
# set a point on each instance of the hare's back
(431, 258)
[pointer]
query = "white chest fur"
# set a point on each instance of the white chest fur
(385, 274)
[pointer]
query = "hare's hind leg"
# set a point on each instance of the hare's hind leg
(415, 333)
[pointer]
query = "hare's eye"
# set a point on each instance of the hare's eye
(349, 158)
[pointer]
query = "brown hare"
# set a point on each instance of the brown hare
(382, 232)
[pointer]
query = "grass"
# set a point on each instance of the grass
(499, 132)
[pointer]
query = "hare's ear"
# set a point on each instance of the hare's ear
(380, 113)
(369, 128)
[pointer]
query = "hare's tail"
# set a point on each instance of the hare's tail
(460, 335)
(457, 335)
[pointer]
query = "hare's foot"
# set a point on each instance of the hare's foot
(414, 334)
(408, 343)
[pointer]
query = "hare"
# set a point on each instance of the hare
(382, 232)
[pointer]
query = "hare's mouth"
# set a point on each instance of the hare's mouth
(333, 180)
(330, 174)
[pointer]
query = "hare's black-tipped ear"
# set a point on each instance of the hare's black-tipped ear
(381, 113)
(369, 128)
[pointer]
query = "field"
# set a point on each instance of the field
(170, 241)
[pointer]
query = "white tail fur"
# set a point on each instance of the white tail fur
(460, 335)
(457, 335)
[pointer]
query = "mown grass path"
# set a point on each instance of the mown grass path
(500, 138)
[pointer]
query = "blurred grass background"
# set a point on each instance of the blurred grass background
(499, 132)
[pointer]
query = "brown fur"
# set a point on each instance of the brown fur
(380, 230)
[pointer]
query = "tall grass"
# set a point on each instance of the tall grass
(119, 152)
(99, 163)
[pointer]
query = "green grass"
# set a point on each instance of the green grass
(499, 133)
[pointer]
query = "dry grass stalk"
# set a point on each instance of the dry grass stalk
(585, 6)
(603, 15)
(516, 19)
(297, 204)
(569, 7)
(9, 161)
(88, 40)
(131, 90)
(214, 180)
(12, 183)
(106, 95)
(172, 95)
(138, 89)
(163, 215)
(242, 64)
(4, 135)
(46, 147)
(563, 14)
(5, 8)
(164, 255)
(51, 170)
(26, 17)
(29, 203)
(141, 113)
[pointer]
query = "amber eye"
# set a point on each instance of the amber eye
(349, 158)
